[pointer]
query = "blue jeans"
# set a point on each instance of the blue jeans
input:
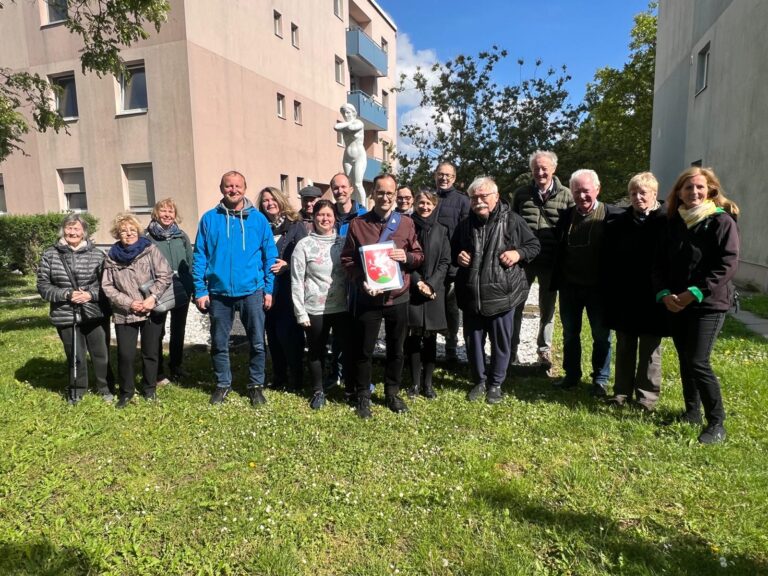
(573, 300)
(222, 310)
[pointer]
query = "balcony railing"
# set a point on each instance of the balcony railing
(366, 58)
(373, 114)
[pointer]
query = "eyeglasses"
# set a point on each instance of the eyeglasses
(382, 194)
(130, 232)
(483, 197)
(446, 176)
(404, 198)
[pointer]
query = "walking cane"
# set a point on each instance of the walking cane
(72, 389)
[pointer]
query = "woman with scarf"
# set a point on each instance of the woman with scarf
(426, 312)
(135, 276)
(630, 244)
(319, 290)
(69, 278)
(285, 337)
(692, 277)
(164, 232)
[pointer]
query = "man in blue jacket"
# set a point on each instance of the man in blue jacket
(234, 251)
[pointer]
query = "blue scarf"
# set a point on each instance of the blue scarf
(126, 254)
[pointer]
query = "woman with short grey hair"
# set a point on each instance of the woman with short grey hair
(69, 277)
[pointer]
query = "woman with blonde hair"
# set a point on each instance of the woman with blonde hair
(285, 337)
(135, 276)
(692, 278)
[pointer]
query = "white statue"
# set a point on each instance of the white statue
(355, 160)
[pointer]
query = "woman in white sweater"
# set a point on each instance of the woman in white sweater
(318, 285)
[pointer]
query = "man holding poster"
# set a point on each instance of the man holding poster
(380, 291)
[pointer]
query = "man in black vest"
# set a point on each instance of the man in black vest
(540, 203)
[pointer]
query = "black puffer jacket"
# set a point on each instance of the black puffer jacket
(541, 217)
(486, 287)
(54, 285)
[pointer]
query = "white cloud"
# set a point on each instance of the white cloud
(408, 61)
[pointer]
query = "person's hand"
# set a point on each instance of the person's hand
(81, 297)
(425, 289)
(279, 266)
(149, 303)
(509, 258)
(397, 254)
(203, 303)
(464, 259)
(672, 303)
(685, 298)
(306, 325)
(370, 290)
(137, 306)
(267, 301)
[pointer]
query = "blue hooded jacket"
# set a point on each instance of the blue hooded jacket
(234, 251)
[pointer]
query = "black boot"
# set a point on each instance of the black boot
(427, 390)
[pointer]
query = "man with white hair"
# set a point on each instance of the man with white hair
(577, 276)
(489, 246)
(541, 203)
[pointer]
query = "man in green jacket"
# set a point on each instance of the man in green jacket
(540, 203)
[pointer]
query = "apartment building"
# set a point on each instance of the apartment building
(710, 108)
(252, 85)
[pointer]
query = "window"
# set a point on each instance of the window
(339, 69)
(385, 151)
(57, 10)
(384, 45)
(133, 89)
(3, 205)
(140, 185)
(338, 8)
(702, 68)
(73, 186)
(297, 111)
(278, 23)
(284, 183)
(294, 35)
(65, 97)
(281, 105)
(299, 183)
(385, 100)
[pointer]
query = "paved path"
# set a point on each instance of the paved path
(757, 324)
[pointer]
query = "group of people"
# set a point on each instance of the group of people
(302, 279)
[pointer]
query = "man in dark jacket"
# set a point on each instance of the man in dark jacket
(452, 208)
(369, 305)
(578, 276)
(540, 203)
(489, 247)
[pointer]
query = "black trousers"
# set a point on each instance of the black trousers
(694, 333)
(317, 339)
(421, 351)
(365, 332)
(286, 348)
(127, 336)
(176, 344)
(92, 337)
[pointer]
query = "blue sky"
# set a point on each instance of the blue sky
(585, 35)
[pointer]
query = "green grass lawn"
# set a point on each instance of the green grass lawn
(756, 303)
(544, 483)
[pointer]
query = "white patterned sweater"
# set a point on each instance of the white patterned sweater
(318, 283)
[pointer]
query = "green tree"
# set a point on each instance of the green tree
(614, 139)
(105, 27)
(481, 126)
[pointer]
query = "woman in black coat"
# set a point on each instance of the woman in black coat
(692, 278)
(284, 335)
(631, 239)
(426, 312)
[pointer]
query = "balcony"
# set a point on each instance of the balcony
(364, 56)
(373, 114)
(372, 169)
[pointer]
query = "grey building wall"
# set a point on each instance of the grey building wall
(725, 124)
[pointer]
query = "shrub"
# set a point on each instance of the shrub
(23, 238)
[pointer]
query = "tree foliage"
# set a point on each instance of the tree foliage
(614, 138)
(482, 126)
(105, 27)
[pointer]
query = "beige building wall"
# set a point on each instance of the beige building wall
(710, 107)
(213, 74)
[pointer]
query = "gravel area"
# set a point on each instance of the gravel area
(198, 331)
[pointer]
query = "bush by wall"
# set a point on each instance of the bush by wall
(23, 238)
